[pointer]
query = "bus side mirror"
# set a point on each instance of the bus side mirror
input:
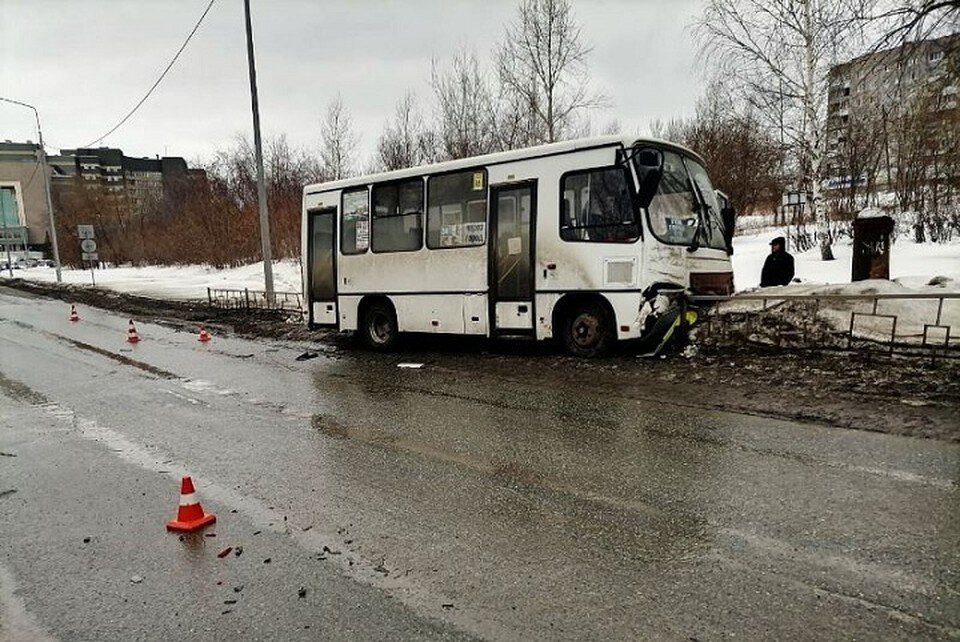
(729, 217)
(649, 166)
(649, 183)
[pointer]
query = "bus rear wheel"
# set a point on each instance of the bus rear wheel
(378, 327)
(587, 332)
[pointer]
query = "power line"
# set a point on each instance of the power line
(150, 91)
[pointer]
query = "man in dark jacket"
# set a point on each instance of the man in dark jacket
(778, 268)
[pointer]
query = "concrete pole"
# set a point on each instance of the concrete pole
(46, 187)
(258, 147)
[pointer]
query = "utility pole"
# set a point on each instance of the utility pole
(258, 147)
(42, 158)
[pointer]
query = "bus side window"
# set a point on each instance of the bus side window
(598, 206)
(355, 221)
(397, 216)
(457, 209)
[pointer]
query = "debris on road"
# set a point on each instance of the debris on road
(230, 601)
(326, 549)
(238, 551)
(224, 552)
(266, 561)
(307, 355)
(3, 454)
(209, 534)
(446, 605)
(86, 540)
(136, 579)
(410, 366)
(238, 588)
(302, 593)
(4, 493)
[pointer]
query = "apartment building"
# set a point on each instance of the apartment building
(871, 99)
(136, 181)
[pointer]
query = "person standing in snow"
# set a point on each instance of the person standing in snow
(778, 268)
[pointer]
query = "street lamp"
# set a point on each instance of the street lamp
(46, 185)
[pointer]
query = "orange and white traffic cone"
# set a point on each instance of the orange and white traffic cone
(73, 313)
(190, 515)
(132, 336)
(204, 335)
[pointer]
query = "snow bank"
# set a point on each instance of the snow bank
(174, 282)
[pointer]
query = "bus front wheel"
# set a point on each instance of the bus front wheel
(379, 327)
(587, 331)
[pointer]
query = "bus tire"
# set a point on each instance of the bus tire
(378, 329)
(586, 331)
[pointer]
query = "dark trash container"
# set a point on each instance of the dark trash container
(871, 248)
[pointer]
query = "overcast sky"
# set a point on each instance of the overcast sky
(85, 63)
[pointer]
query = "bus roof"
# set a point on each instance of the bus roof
(497, 158)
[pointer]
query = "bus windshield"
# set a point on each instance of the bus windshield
(685, 210)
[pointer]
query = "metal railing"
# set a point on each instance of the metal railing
(930, 325)
(246, 299)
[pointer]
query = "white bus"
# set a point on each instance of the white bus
(572, 241)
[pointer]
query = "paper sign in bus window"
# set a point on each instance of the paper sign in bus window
(363, 234)
(514, 245)
(475, 233)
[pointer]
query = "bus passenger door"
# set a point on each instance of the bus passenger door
(322, 259)
(512, 216)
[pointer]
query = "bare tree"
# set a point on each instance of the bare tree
(901, 21)
(542, 66)
(338, 142)
(923, 139)
(466, 107)
(287, 168)
(780, 52)
(857, 154)
(743, 158)
(613, 126)
(406, 142)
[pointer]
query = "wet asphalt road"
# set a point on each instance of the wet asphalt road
(452, 503)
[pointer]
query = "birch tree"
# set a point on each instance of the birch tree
(466, 107)
(338, 142)
(405, 142)
(780, 52)
(542, 67)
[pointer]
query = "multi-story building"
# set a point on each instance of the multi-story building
(23, 202)
(870, 101)
(135, 181)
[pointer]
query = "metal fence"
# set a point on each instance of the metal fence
(247, 299)
(894, 323)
